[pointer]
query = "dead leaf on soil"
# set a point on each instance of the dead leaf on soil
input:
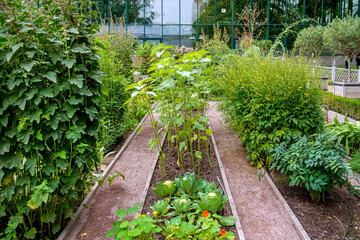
(330, 218)
(83, 234)
(242, 201)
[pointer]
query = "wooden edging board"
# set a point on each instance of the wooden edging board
(299, 228)
(64, 234)
(227, 189)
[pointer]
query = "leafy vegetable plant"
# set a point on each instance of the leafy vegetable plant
(141, 227)
(212, 201)
(165, 189)
(314, 162)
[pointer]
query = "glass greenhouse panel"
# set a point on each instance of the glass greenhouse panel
(171, 35)
(171, 11)
(188, 11)
(153, 12)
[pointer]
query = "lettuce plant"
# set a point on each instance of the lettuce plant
(161, 207)
(165, 189)
(212, 201)
(181, 205)
(186, 184)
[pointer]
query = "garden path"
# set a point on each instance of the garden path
(136, 164)
(262, 215)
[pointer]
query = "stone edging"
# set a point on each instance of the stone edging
(64, 234)
(228, 191)
(299, 228)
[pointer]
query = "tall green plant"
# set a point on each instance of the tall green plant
(269, 100)
(50, 96)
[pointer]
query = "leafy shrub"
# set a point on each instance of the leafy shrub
(347, 106)
(122, 44)
(346, 134)
(269, 100)
(143, 57)
(264, 45)
(116, 115)
(50, 97)
(314, 162)
(310, 39)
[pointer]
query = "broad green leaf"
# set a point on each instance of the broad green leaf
(182, 145)
(30, 164)
(41, 195)
(132, 210)
(30, 234)
(74, 133)
(4, 147)
(25, 29)
(13, 161)
(51, 76)
(56, 228)
(92, 112)
(70, 109)
(198, 154)
(54, 56)
(228, 221)
(8, 191)
(28, 65)
(16, 47)
(47, 218)
(62, 163)
(1, 175)
(69, 63)
(209, 132)
(152, 143)
(75, 101)
(121, 213)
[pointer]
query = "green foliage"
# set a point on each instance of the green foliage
(141, 227)
(165, 189)
(186, 184)
(161, 208)
(143, 57)
(120, 44)
(116, 115)
(264, 45)
(355, 162)
(342, 36)
(181, 205)
(310, 39)
(212, 201)
(346, 134)
(50, 98)
(347, 106)
(184, 220)
(179, 86)
(269, 100)
(314, 162)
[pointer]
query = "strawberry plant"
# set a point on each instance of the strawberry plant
(50, 96)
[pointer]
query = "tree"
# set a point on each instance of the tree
(343, 36)
(310, 39)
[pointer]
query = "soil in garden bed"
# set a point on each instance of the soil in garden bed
(210, 173)
(322, 220)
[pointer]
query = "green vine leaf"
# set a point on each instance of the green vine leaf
(77, 80)
(51, 76)
(54, 56)
(30, 234)
(69, 63)
(27, 66)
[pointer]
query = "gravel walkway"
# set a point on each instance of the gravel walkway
(135, 163)
(261, 214)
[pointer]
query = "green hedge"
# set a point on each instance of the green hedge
(347, 106)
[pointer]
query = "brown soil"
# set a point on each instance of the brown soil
(322, 220)
(210, 173)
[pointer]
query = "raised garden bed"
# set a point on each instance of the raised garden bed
(350, 90)
(322, 220)
(210, 173)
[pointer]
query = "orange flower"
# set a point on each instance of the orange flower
(223, 233)
(205, 214)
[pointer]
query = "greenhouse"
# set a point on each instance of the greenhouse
(182, 22)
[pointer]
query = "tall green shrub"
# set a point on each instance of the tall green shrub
(310, 39)
(269, 100)
(50, 94)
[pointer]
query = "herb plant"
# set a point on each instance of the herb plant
(314, 162)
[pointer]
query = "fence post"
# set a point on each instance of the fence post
(359, 74)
